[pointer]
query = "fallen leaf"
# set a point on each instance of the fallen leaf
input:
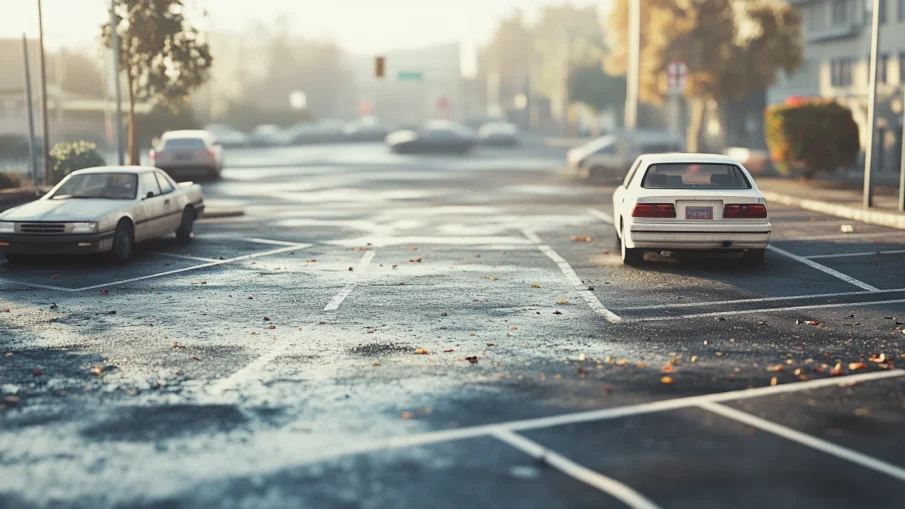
(371, 331)
(606, 252)
(581, 238)
(271, 327)
(493, 278)
(854, 366)
(12, 400)
(250, 297)
(444, 314)
(376, 364)
(557, 312)
(96, 371)
(641, 365)
(266, 318)
(37, 372)
(195, 358)
(394, 265)
(491, 344)
(838, 370)
(421, 351)
(878, 358)
(622, 362)
(350, 269)
(778, 367)
(406, 415)
(813, 322)
(176, 344)
(669, 368)
(562, 302)
(513, 328)
(448, 350)
(473, 359)
(666, 380)
(774, 381)
(535, 286)
(415, 260)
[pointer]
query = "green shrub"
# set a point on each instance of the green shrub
(68, 157)
(11, 181)
(813, 136)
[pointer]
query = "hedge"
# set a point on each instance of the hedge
(815, 136)
(66, 158)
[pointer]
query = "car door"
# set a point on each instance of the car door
(152, 204)
(172, 203)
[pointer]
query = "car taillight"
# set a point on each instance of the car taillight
(153, 155)
(208, 153)
(654, 210)
(756, 211)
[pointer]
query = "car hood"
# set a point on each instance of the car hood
(74, 209)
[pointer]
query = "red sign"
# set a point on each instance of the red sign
(442, 104)
(677, 75)
(365, 107)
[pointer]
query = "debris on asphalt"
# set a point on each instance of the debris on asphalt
(878, 358)
(837, 370)
(12, 400)
(195, 358)
(774, 381)
(376, 364)
(535, 286)
(96, 371)
(448, 350)
(271, 327)
(557, 312)
(847, 228)
(473, 359)
(562, 302)
(855, 366)
(37, 372)
(581, 238)
(773, 369)
(421, 351)
(669, 368)
(415, 260)
(176, 344)
(622, 362)
(666, 380)
(490, 344)
(53, 306)
(492, 278)
(406, 415)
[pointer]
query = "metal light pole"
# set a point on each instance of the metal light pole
(118, 118)
(633, 76)
(871, 105)
(902, 161)
(32, 160)
(47, 168)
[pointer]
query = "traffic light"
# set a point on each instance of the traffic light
(379, 66)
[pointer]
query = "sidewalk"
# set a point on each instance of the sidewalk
(842, 199)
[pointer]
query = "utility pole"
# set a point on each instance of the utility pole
(47, 168)
(118, 118)
(32, 160)
(871, 104)
(902, 161)
(633, 76)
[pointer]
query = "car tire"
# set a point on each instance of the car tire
(631, 257)
(187, 226)
(754, 258)
(123, 241)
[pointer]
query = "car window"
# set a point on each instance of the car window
(196, 143)
(165, 185)
(631, 172)
(111, 186)
(149, 184)
(695, 176)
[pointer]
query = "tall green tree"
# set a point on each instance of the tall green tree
(161, 55)
(732, 48)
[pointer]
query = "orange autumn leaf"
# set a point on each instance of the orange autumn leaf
(421, 351)
(854, 366)
(669, 368)
(666, 380)
(622, 362)
(775, 368)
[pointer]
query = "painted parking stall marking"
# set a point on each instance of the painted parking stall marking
(824, 269)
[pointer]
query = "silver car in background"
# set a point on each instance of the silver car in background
(101, 210)
(193, 153)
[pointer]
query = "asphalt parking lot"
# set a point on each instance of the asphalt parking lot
(465, 336)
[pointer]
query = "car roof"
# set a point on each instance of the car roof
(116, 169)
(187, 133)
(688, 158)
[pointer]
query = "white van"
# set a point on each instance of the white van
(613, 154)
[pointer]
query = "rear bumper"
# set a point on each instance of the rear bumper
(751, 236)
(56, 244)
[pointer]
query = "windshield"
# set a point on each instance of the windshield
(695, 176)
(196, 143)
(111, 186)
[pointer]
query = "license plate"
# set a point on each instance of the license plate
(698, 212)
(183, 157)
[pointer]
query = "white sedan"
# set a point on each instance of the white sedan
(672, 203)
(101, 210)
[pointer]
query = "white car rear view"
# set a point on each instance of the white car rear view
(690, 202)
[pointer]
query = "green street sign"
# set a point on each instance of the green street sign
(410, 76)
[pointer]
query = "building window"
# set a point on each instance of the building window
(841, 72)
(842, 12)
(882, 67)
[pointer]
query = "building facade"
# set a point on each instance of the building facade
(836, 37)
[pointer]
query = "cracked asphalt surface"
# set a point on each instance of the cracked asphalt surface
(389, 331)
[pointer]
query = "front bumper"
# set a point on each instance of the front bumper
(15, 243)
(699, 238)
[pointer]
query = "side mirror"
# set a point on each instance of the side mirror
(149, 195)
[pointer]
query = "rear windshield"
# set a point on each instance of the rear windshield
(184, 143)
(695, 176)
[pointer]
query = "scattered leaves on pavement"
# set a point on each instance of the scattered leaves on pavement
(535, 286)
(778, 367)
(622, 362)
(448, 350)
(562, 302)
(96, 371)
(415, 260)
(855, 366)
(581, 238)
(177, 344)
(878, 358)
(407, 415)
(376, 364)
(837, 370)
(271, 327)
(491, 344)
(195, 358)
(669, 368)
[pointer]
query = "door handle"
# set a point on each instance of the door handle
(166, 202)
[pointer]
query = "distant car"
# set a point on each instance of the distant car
(323, 131)
(269, 135)
(436, 136)
(498, 133)
(690, 203)
(188, 154)
(366, 129)
(102, 210)
(227, 136)
(611, 155)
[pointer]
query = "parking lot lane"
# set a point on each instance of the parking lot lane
(867, 418)
(691, 458)
(882, 271)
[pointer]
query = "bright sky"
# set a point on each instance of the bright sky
(359, 26)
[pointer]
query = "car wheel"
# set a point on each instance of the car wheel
(187, 226)
(754, 258)
(123, 241)
(631, 257)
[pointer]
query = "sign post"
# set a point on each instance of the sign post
(677, 79)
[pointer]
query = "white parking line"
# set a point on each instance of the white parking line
(754, 300)
(335, 302)
(249, 372)
(603, 216)
(603, 483)
(805, 439)
(184, 257)
(824, 269)
(862, 253)
(21, 284)
(269, 241)
(531, 236)
(433, 437)
(573, 278)
(848, 236)
(763, 310)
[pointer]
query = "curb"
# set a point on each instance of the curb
(219, 213)
(877, 217)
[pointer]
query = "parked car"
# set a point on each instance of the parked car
(366, 129)
(322, 131)
(227, 136)
(270, 135)
(690, 203)
(436, 136)
(101, 210)
(190, 153)
(611, 155)
(498, 133)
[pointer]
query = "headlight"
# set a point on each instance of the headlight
(6, 227)
(84, 227)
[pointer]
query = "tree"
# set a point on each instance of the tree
(511, 51)
(598, 90)
(732, 48)
(161, 55)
